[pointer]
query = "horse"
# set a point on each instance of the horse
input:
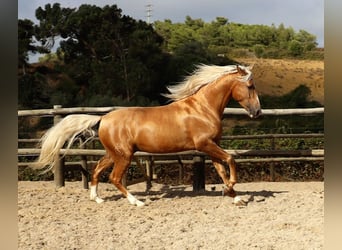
(190, 121)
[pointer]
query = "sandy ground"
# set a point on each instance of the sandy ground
(278, 216)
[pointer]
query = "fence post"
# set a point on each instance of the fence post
(199, 173)
(58, 174)
(181, 171)
(149, 173)
(272, 173)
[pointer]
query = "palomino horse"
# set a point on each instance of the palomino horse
(191, 122)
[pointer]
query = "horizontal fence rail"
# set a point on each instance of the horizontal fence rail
(242, 155)
(236, 152)
(227, 111)
(233, 137)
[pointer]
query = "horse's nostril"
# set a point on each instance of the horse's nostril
(258, 113)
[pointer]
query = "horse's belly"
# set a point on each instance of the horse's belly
(163, 142)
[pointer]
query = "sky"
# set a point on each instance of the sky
(304, 14)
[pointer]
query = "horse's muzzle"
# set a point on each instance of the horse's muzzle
(255, 113)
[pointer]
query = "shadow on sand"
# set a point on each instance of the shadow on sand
(167, 191)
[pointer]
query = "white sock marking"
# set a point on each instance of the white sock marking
(98, 200)
(134, 201)
(93, 194)
(140, 203)
(237, 199)
(131, 198)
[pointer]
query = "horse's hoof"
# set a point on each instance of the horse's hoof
(140, 203)
(229, 191)
(237, 201)
(98, 200)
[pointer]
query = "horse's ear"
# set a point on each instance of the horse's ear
(240, 70)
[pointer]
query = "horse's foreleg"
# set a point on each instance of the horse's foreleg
(218, 154)
(116, 178)
(104, 163)
(221, 170)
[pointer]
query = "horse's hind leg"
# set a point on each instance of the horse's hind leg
(104, 163)
(116, 175)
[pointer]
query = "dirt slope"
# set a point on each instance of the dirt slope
(277, 77)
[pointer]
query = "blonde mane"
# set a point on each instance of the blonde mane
(203, 75)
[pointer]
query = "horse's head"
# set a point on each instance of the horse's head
(245, 94)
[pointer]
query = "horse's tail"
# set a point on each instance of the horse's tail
(65, 130)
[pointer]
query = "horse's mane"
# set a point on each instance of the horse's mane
(203, 75)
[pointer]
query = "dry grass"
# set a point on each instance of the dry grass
(278, 77)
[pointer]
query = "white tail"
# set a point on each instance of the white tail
(54, 139)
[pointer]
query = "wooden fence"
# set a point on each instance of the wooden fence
(146, 161)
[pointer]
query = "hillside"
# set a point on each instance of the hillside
(273, 77)
(277, 77)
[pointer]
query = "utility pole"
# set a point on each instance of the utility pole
(148, 13)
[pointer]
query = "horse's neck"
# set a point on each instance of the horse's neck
(216, 95)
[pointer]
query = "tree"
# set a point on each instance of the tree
(104, 52)
(223, 37)
(26, 42)
(298, 98)
(295, 48)
(52, 21)
(194, 24)
(307, 40)
(108, 57)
